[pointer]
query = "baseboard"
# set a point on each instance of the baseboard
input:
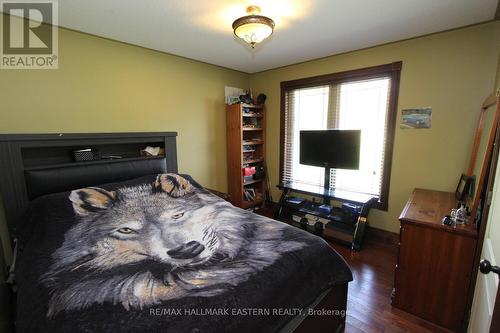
(381, 236)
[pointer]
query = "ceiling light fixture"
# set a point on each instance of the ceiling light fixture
(253, 28)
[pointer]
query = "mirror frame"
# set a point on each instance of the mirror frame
(488, 102)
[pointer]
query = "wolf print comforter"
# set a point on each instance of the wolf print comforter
(162, 254)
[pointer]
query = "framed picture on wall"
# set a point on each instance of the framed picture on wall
(464, 187)
(416, 118)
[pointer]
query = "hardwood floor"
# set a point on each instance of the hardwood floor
(369, 307)
(369, 297)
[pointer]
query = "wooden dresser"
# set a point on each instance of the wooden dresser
(435, 261)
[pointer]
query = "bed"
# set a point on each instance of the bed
(130, 244)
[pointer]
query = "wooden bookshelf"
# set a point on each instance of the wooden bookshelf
(245, 125)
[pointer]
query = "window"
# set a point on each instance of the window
(362, 99)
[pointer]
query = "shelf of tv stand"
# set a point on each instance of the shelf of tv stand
(326, 193)
(301, 209)
(346, 225)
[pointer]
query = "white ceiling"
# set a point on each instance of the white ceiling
(305, 29)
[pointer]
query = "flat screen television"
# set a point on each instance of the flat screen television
(337, 149)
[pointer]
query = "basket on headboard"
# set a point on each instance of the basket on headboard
(86, 155)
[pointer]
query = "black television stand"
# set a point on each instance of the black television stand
(345, 224)
(326, 200)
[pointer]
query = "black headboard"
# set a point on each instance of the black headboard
(32, 165)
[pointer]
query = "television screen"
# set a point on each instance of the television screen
(338, 149)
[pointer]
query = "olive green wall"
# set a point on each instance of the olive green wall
(452, 72)
(107, 86)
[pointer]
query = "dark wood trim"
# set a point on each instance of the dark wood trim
(487, 158)
(283, 89)
(497, 12)
(477, 140)
(393, 70)
(345, 76)
(390, 135)
(381, 236)
(489, 101)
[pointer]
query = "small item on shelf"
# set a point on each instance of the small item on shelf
(233, 100)
(247, 179)
(447, 220)
(88, 154)
(318, 228)
(250, 157)
(248, 149)
(453, 214)
(250, 194)
(464, 188)
(249, 171)
(261, 99)
(324, 209)
(295, 201)
(250, 113)
(348, 207)
(252, 123)
(461, 215)
(152, 151)
(259, 172)
(312, 220)
(252, 142)
(246, 98)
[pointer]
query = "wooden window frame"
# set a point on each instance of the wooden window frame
(392, 70)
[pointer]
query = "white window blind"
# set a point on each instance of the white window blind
(307, 111)
(351, 105)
